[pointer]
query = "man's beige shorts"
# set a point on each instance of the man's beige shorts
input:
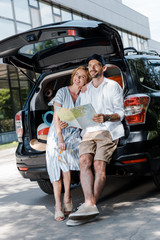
(99, 144)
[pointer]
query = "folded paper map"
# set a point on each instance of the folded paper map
(80, 117)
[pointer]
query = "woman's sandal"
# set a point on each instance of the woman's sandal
(59, 216)
(68, 208)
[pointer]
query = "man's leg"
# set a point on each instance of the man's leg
(100, 178)
(88, 210)
(87, 178)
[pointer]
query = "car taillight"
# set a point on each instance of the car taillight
(71, 32)
(19, 126)
(135, 107)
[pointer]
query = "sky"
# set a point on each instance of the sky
(150, 9)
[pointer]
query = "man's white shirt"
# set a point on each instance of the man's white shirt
(107, 98)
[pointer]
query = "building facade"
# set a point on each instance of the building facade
(18, 16)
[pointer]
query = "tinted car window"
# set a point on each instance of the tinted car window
(32, 49)
(148, 73)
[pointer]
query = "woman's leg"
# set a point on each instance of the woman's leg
(68, 206)
(57, 188)
(67, 184)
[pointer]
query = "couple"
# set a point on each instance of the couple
(65, 149)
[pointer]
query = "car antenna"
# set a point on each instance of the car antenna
(30, 79)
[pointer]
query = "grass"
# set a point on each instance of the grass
(8, 145)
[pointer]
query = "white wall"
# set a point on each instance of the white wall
(154, 45)
(113, 12)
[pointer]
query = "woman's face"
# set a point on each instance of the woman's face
(80, 78)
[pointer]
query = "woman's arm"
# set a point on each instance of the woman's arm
(61, 142)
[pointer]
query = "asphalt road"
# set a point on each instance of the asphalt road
(129, 209)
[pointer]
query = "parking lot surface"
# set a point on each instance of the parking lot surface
(129, 209)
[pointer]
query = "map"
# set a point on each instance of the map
(80, 117)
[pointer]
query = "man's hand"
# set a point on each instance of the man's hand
(99, 118)
(62, 124)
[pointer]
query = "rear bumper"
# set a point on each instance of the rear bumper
(134, 154)
(138, 155)
(32, 166)
(35, 174)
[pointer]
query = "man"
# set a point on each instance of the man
(98, 142)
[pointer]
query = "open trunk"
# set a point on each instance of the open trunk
(39, 112)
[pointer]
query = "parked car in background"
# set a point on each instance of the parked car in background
(53, 51)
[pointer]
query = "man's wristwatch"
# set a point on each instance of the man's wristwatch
(107, 118)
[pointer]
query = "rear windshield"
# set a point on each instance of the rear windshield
(32, 49)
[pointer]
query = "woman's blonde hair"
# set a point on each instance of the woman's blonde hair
(83, 68)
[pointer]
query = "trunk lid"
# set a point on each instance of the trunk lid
(61, 45)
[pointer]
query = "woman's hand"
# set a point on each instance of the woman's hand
(62, 145)
(62, 124)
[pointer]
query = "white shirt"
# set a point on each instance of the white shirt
(106, 99)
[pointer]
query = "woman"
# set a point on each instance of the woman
(62, 153)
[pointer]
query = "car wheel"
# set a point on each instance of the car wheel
(156, 180)
(45, 186)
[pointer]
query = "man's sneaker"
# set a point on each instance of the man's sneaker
(84, 211)
(72, 223)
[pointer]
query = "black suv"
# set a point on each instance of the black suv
(53, 51)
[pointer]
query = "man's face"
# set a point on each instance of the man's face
(95, 68)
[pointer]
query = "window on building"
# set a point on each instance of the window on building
(8, 28)
(56, 10)
(33, 3)
(6, 112)
(77, 17)
(46, 13)
(145, 45)
(21, 27)
(138, 43)
(142, 44)
(120, 33)
(130, 42)
(35, 16)
(6, 4)
(66, 15)
(25, 86)
(125, 40)
(14, 90)
(57, 18)
(135, 43)
(57, 14)
(21, 9)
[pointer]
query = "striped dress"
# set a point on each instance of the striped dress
(68, 159)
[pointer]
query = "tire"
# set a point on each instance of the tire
(156, 180)
(45, 186)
